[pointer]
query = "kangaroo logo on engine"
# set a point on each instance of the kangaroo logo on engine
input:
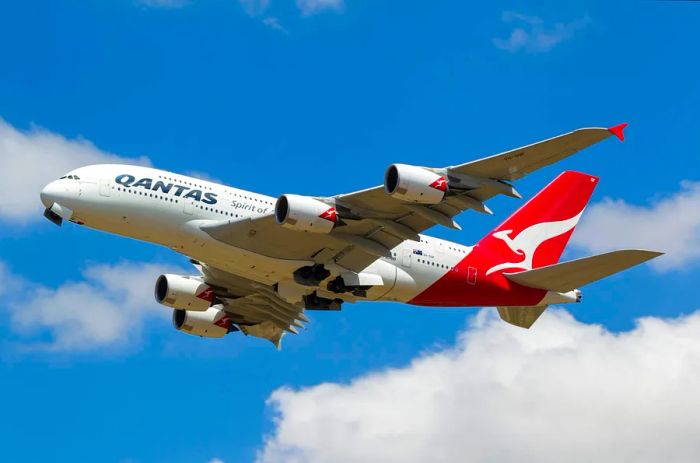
(129, 181)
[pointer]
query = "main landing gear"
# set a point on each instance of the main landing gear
(311, 275)
(338, 286)
(315, 302)
(314, 275)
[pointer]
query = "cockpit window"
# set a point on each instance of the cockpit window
(70, 177)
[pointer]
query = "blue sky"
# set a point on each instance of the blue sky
(309, 97)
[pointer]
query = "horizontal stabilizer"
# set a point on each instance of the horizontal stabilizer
(565, 276)
(523, 317)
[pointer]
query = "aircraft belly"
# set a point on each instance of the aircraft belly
(417, 269)
(385, 270)
(116, 215)
(263, 269)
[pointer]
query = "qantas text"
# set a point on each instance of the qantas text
(129, 181)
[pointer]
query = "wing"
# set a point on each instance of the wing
(374, 222)
(519, 162)
(264, 315)
(254, 308)
(487, 177)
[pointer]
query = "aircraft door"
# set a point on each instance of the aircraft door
(188, 206)
(105, 189)
(406, 257)
(471, 275)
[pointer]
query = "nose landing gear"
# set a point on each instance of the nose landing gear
(53, 217)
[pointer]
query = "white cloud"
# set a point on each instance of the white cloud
(254, 7)
(216, 460)
(670, 224)
(531, 34)
(9, 281)
(310, 7)
(108, 307)
(31, 159)
(163, 3)
(274, 23)
(562, 391)
(202, 176)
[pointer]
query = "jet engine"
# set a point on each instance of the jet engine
(185, 293)
(302, 213)
(414, 184)
(211, 323)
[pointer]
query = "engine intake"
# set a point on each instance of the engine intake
(185, 293)
(414, 184)
(211, 323)
(302, 213)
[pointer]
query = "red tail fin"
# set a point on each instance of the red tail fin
(536, 234)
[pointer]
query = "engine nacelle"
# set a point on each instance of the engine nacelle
(302, 213)
(414, 184)
(211, 323)
(185, 293)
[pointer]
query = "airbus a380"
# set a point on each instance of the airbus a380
(263, 261)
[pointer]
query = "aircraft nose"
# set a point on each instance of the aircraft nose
(59, 191)
(50, 193)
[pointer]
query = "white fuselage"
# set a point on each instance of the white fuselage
(168, 209)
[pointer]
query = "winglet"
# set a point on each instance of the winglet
(618, 130)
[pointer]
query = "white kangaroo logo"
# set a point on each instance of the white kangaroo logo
(528, 240)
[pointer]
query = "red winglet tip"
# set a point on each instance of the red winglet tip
(618, 130)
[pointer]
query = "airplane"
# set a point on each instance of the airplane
(261, 262)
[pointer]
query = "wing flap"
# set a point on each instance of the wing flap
(566, 276)
(256, 309)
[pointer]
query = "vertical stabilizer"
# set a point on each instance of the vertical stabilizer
(537, 233)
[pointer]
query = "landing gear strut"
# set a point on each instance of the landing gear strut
(314, 302)
(338, 286)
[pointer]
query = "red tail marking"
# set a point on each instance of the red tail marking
(440, 184)
(564, 198)
(534, 236)
(207, 295)
(224, 322)
(618, 131)
(331, 215)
